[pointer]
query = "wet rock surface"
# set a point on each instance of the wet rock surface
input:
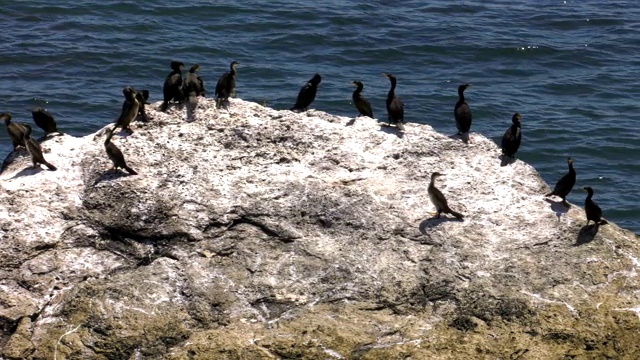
(256, 233)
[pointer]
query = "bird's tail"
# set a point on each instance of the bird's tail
(456, 214)
(603, 222)
(192, 104)
(549, 194)
(218, 102)
(400, 126)
(164, 106)
(465, 137)
(50, 166)
(130, 170)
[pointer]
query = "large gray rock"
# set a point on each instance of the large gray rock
(256, 233)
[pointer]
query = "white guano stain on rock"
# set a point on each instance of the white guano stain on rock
(253, 215)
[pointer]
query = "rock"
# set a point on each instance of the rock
(256, 233)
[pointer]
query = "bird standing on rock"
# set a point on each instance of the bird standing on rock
(565, 184)
(44, 120)
(116, 155)
(16, 131)
(226, 85)
(362, 105)
(592, 210)
(35, 151)
(130, 109)
(512, 137)
(172, 89)
(395, 107)
(143, 99)
(307, 94)
(438, 199)
(462, 113)
(193, 87)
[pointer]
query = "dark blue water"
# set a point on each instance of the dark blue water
(571, 68)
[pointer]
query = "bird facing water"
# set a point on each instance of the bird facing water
(565, 184)
(307, 94)
(591, 209)
(226, 85)
(462, 113)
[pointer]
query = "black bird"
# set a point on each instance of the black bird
(565, 184)
(395, 107)
(44, 120)
(438, 199)
(116, 155)
(362, 105)
(193, 87)
(172, 89)
(226, 85)
(462, 113)
(593, 211)
(130, 109)
(35, 151)
(307, 94)
(17, 131)
(143, 99)
(512, 137)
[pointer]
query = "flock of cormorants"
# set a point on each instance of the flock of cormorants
(177, 89)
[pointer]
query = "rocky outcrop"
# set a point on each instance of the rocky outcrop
(254, 233)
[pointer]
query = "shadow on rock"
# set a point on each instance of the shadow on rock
(506, 160)
(351, 122)
(27, 171)
(110, 175)
(389, 129)
(586, 234)
(558, 207)
(434, 221)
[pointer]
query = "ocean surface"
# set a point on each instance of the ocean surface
(571, 68)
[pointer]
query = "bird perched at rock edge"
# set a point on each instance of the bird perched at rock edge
(512, 137)
(307, 94)
(192, 87)
(462, 113)
(565, 184)
(362, 104)
(130, 108)
(143, 99)
(37, 157)
(438, 199)
(172, 88)
(226, 85)
(591, 209)
(44, 120)
(116, 155)
(395, 107)
(17, 131)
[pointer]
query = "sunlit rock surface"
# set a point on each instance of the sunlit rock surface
(254, 233)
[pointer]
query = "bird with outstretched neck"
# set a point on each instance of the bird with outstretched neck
(565, 184)
(438, 199)
(395, 107)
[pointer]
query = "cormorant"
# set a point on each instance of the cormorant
(395, 107)
(172, 89)
(193, 86)
(438, 199)
(226, 85)
(512, 137)
(462, 113)
(142, 96)
(35, 151)
(116, 155)
(593, 211)
(565, 184)
(17, 131)
(130, 109)
(307, 94)
(362, 105)
(44, 120)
